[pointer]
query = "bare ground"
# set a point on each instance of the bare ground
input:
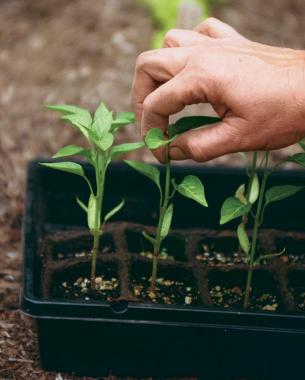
(76, 51)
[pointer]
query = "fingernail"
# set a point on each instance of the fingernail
(176, 153)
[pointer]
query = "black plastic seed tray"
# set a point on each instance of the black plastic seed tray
(128, 337)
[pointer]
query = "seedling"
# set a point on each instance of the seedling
(190, 187)
(99, 131)
(251, 201)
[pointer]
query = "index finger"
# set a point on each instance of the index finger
(154, 68)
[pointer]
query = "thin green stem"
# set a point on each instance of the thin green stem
(163, 208)
(256, 230)
(251, 178)
(100, 172)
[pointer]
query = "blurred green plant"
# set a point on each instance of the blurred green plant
(165, 15)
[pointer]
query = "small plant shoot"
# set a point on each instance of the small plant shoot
(99, 130)
(251, 201)
(190, 187)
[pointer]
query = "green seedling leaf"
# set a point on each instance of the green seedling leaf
(167, 221)
(70, 150)
(240, 194)
(114, 211)
(79, 122)
(117, 150)
(147, 170)
(278, 193)
(152, 240)
(190, 122)
(102, 121)
(83, 116)
(155, 139)
(82, 205)
(298, 158)
(91, 213)
(254, 191)
(243, 238)
(191, 187)
(122, 119)
(233, 208)
(104, 142)
(69, 167)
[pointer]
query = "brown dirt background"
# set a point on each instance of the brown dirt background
(81, 52)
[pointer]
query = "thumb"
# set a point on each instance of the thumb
(206, 143)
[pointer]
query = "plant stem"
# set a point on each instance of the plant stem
(255, 231)
(163, 208)
(100, 172)
(252, 174)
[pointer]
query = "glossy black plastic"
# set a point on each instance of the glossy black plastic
(145, 340)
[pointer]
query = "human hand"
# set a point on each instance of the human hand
(257, 90)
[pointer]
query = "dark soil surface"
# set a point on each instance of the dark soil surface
(77, 51)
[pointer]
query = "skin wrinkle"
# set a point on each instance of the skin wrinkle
(256, 89)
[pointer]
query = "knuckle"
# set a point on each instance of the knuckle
(142, 59)
(170, 38)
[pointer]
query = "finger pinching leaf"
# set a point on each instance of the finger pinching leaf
(155, 139)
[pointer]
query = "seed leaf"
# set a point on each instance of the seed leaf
(155, 139)
(69, 167)
(117, 150)
(81, 204)
(243, 238)
(149, 238)
(190, 122)
(254, 191)
(191, 187)
(167, 221)
(114, 211)
(102, 121)
(277, 193)
(298, 158)
(240, 194)
(233, 208)
(69, 150)
(270, 256)
(147, 170)
(91, 213)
